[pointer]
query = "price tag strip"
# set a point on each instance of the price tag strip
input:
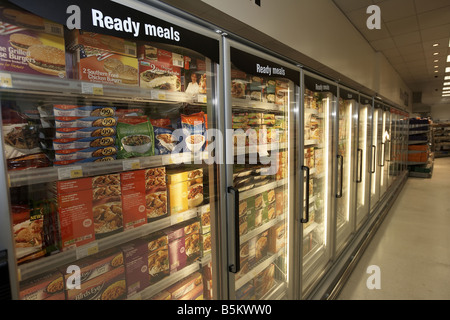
(87, 250)
(92, 88)
(5, 80)
(70, 173)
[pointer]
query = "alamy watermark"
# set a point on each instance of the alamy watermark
(374, 280)
(374, 20)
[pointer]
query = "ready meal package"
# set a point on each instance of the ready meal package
(159, 75)
(194, 130)
(135, 137)
(47, 286)
(184, 244)
(133, 192)
(79, 38)
(109, 286)
(105, 67)
(156, 199)
(189, 288)
(35, 227)
(185, 189)
(89, 208)
(158, 256)
(93, 266)
(165, 141)
(135, 255)
(30, 44)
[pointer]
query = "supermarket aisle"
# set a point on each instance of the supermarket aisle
(412, 246)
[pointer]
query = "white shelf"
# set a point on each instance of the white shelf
(256, 105)
(258, 190)
(50, 174)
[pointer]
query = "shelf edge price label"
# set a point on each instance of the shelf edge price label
(131, 165)
(70, 173)
(92, 88)
(5, 80)
(87, 250)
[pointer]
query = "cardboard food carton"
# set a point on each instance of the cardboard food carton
(109, 286)
(181, 289)
(135, 255)
(156, 193)
(48, 286)
(105, 67)
(185, 189)
(79, 38)
(158, 256)
(133, 199)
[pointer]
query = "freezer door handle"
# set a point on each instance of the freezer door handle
(236, 267)
(302, 220)
(373, 164)
(383, 156)
(341, 158)
(359, 160)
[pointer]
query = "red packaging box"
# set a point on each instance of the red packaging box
(75, 212)
(133, 199)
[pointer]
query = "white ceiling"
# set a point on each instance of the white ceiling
(409, 29)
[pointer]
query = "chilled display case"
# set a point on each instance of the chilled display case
(345, 166)
(261, 95)
(320, 108)
(376, 154)
(362, 169)
(111, 194)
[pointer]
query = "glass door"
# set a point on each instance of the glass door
(345, 157)
(362, 168)
(384, 152)
(376, 155)
(262, 92)
(113, 194)
(320, 104)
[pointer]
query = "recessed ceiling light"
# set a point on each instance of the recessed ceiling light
(436, 66)
(435, 54)
(446, 83)
(447, 78)
(435, 45)
(447, 69)
(436, 71)
(446, 95)
(445, 92)
(445, 88)
(448, 58)
(436, 60)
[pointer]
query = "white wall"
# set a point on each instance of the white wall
(440, 112)
(318, 29)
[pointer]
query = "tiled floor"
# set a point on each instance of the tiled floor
(411, 247)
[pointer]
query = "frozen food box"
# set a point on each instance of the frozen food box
(133, 199)
(264, 281)
(184, 244)
(205, 219)
(79, 122)
(277, 237)
(150, 52)
(65, 110)
(75, 212)
(47, 286)
(109, 286)
(89, 204)
(159, 75)
(84, 143)
(156, 193)
(135, 137)
(31, 52)
(21, 18)
(135, 255)
(185, 189)
(73, 133)
(94, 266)
(158, 256)
(183, 287)
(104, 67)
(79, 38)
(261, 245)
